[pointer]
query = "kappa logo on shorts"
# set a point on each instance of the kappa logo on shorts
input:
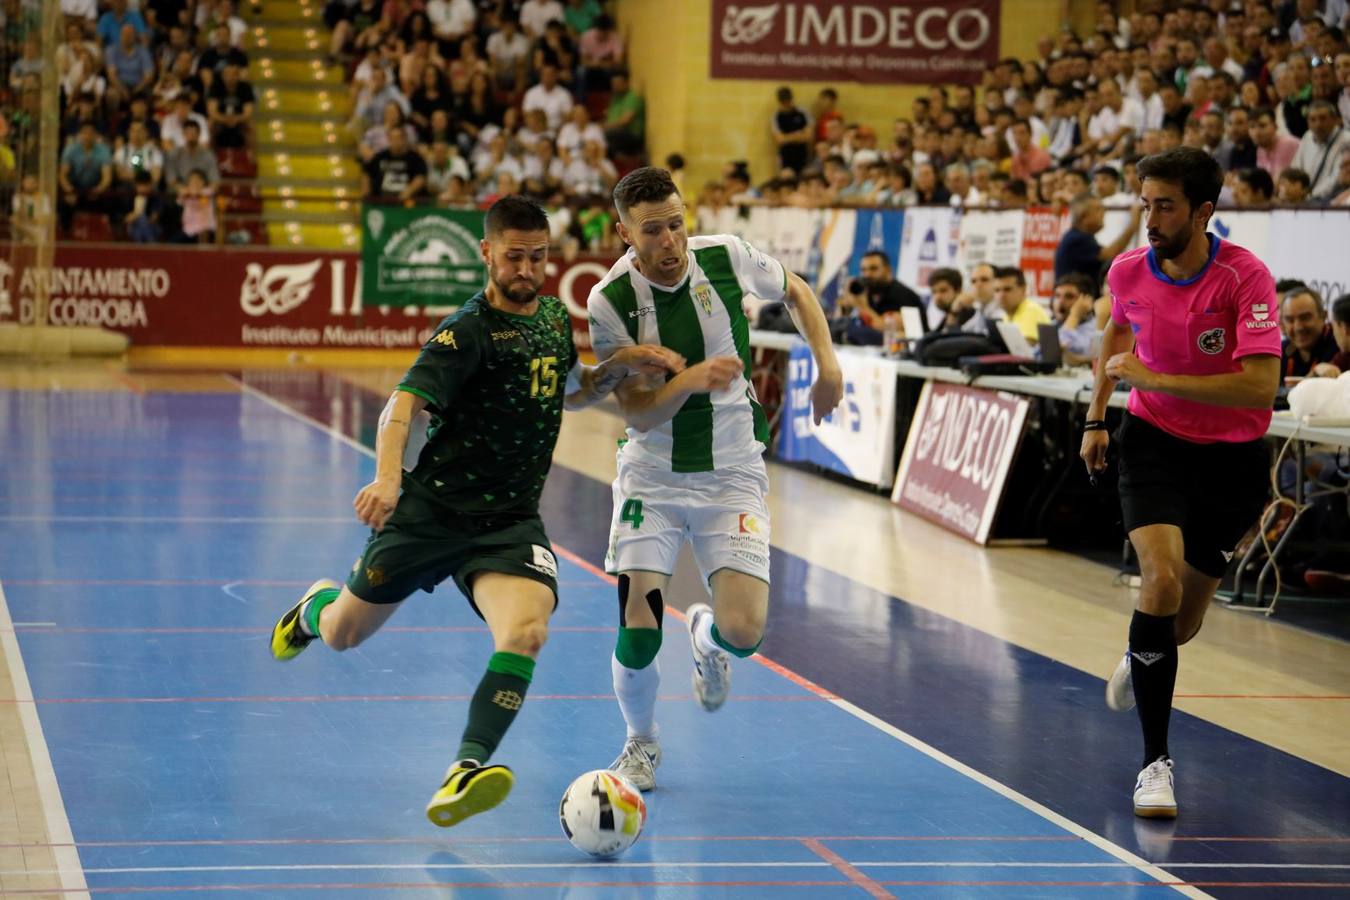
(544, 561)
(1211, 342)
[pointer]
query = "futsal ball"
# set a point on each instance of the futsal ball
(602, 813)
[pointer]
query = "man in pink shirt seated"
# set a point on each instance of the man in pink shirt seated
(1194, 331)
(1274, 149)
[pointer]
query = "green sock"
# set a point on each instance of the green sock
(499, 697)
(310, 614)
(741, 652)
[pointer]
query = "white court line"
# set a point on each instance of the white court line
(1138, 862)
(49, 792)
(653, 864)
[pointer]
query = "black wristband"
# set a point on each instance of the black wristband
(1094, 425)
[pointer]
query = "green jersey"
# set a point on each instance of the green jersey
(494, 383)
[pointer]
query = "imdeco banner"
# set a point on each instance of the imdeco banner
(869, 41)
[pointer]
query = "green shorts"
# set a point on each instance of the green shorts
(416, 550)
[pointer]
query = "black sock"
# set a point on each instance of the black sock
(495, 704)
(1153, 672)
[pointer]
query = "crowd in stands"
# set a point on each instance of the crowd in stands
(458, 103)
(148, 90)
(1263, 87)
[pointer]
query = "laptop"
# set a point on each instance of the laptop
(1018, 358)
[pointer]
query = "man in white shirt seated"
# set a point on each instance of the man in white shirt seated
(549, 96)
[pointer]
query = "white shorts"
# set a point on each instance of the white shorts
(723, 514)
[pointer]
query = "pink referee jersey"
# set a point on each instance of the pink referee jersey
(1201, 326)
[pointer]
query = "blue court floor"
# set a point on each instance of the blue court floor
(149, 541)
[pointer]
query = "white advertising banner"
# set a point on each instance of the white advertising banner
(989, 236)
(931, 240)
(1312, 246)
(858, 438)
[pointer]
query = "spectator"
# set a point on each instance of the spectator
(927, 190)
(1237, 151)
(1106, 186)
(85, 174)
(495, 158)
(1018, 308)
(1342, 188)
(956, 179)
(625, 117)
(1079, 319)
(1118, 121)
(211, 16)
(944, 286)
(130, 69)
(1146, 92)
(878, 292)
(555, 48)
(374, 98)
(791, 128)
(1295, 87)
(1028, 160)
(141, 220)
(543, 170)
(430, 96)
(136, 154)
(578, 131)
(1253, 188)
(163, 16)
(174, 125)
(536, 14)
(1275, 150)
(377, 139)
(357, 25)
(220, 54)
(508, 54)
(479, 109)
(1211, 133)
(590, 173)
(451, 21)
(444, 166)
(197, 199)
(1308, 341)
(1291, 189)
(83, 13)
(31, 209)
(580, 15)
(110, 24)
(138, 111)
(1340, 329)
(396, 173)
(554, 100)
(602, 54)
(230, 110)
(1078, 250)
(30, 63)
(79, 65)
(192, 156)
(981, 306)
(1320, 149)
(1343, 76)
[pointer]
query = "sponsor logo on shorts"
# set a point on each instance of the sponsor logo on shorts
(375, 576)
(508, 700)
(1211, 342)
(748, 524)
(544, 561)
(749, 548)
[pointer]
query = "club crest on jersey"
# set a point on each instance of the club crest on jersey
(1211, 342)
(703, 294)
(1260, 311)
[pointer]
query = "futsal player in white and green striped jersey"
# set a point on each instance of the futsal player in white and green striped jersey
(692, 467)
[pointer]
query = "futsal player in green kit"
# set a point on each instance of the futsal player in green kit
(494, 377)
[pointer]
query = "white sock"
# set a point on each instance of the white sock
(703, 638)
(636, 690)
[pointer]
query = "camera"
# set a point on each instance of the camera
(855, 286)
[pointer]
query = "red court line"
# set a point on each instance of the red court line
(122, 379)
(1264, 696)
(383, 698)
(843, 867)
(801, 682)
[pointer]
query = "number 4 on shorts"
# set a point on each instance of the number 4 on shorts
(632, 513)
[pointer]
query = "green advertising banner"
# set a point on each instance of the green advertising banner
(420, 256)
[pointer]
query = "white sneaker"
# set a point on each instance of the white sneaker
(1153, 795)
(638, 762)
(712, 671)
(1120, 687)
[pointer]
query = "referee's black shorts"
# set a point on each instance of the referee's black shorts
(1212, 492)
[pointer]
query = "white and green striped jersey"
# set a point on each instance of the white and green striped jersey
(700, 318)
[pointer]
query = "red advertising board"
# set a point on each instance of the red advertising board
(957, 456)
(1042, 228)
(871, 41)
(240, 297)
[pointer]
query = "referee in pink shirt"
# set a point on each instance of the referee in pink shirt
(1194, 332)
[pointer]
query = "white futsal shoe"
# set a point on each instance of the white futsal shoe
(1120, 687)
(712, 671)
(638, 762)
(1153, 794)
